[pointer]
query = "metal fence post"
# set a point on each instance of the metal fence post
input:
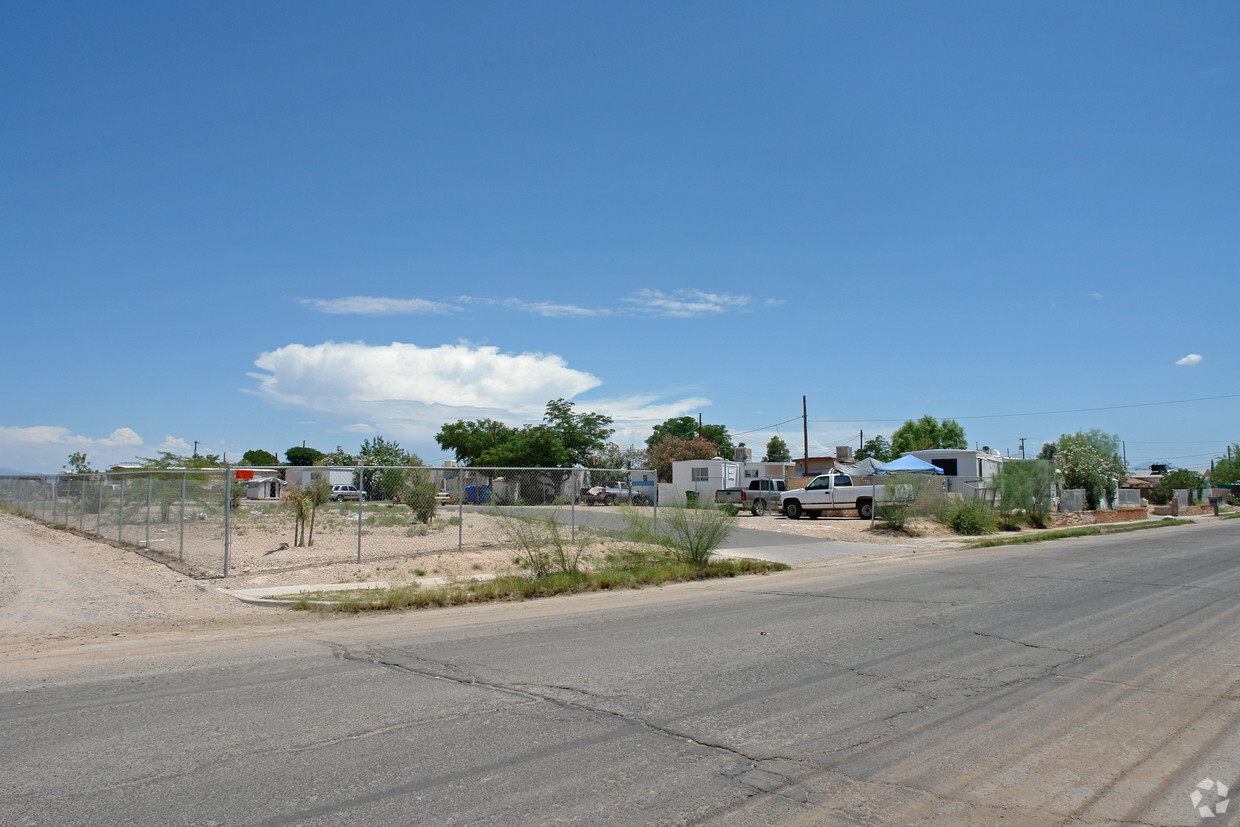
(361, 497)
(99, 510)
(460, 509)
(573, 507)
(82, 507)
(181, 551)
(227, 515)
(55, 485)
(120, 513)
(149, 481)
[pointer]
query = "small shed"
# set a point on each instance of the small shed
(265, 488)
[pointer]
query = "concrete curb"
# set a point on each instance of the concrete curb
(266, 596)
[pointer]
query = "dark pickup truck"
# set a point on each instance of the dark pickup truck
(760, 496)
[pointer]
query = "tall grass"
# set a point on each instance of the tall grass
(690, 533)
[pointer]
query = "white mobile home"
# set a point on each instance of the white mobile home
(301, 476)
(703, 476)
(966, 472)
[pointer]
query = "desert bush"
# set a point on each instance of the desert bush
(543, 543)
(1023, 489)
(912, 496)
(418, 492)
(970, 517)
(689, 532)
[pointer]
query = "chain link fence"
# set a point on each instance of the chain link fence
(219, 521)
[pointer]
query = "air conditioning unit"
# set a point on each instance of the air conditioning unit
(843, 452)
(742, 454)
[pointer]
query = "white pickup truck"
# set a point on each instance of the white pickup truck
(833, 495)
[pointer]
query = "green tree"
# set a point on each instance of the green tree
(686, 428)
(1226, 469)
(380, 451)
(388, 480)
(564, 438)
(584, 435)
(927, 433)
(673, 449)
(777, 450)
(877, 448)
(167, 459)
(534, 446)
(1048, 451)
(300, 455)
(1090, 460)
(474, 442)
(337, 458)
(1177, 480)
(260, 458)
(77, 464)
(613, 456)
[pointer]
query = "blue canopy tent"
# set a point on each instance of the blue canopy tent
(908, 462)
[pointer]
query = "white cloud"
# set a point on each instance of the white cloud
(121, 436)
(56, 435)
(412, 390)
(407, 392)
(676, 304)
(174, 445)
(379, 306)
(1190, 359)
(634, 416)
(1095, 295)
(46, 447)
(685, 303)
(553, 310)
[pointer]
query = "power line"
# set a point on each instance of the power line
(765, 427)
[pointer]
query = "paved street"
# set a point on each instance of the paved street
(1094, 681)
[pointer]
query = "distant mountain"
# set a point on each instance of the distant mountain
(9, 472)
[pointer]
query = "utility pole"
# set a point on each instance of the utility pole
(805, 436)
(195, 447)
(1022, 447)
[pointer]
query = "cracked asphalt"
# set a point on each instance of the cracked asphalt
(1089, 681)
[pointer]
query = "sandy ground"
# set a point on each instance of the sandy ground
(57, 589)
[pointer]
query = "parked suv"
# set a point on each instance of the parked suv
(340, 493)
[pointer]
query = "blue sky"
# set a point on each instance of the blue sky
(256, 224)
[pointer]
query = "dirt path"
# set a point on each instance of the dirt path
(57, 587)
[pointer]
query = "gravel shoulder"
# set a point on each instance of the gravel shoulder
(58, 589)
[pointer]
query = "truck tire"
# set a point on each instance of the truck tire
(793, 510)
(759, 507)
(865, 509)
(610, 499)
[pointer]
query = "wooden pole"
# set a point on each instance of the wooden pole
(805, 436)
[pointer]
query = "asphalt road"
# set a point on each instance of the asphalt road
(1092, 681)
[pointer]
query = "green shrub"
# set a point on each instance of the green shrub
(690, 533)
(969, 517)
(1178, 479)
(543, 541)
(912, 496)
